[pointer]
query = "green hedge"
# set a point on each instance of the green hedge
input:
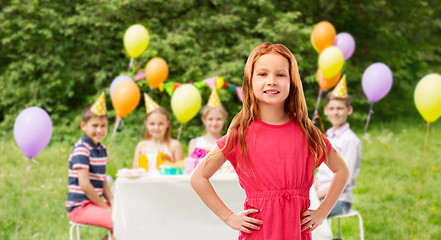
(60, 55)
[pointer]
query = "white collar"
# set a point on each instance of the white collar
(331, 134)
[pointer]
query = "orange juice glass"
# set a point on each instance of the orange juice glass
(143, 162)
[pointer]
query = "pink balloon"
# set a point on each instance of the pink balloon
(117, 81)
(376, 81)
(346, 43)
(32, 130)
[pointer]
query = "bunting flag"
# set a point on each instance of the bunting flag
(149, 103)
(99, 107)
(341, 89)
(239, 92)
(213, 83)
(139, 76)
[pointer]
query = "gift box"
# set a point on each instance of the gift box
(191, 162)
(172, 168)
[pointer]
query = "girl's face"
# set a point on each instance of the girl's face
(214, 121)
(157, 124)
(271, 79)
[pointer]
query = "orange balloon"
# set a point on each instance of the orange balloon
(327, 83)
(323, 36)
(125, 98)
(156, 71)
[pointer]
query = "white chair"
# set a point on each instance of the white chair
(74, 225)
(351, 213)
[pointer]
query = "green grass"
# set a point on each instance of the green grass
(385, 193)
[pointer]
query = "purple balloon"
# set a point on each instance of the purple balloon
(345, 42)
(109, 179)
(32, 130)
(376, 81)
(117, 81)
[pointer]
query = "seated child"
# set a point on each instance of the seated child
(337, 109)
(87, 171)
(157, 146)
(213, 118)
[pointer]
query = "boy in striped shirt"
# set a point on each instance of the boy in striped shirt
(87, 171)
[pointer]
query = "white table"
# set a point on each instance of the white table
(167, 208)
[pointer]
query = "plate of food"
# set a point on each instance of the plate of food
(131, 173)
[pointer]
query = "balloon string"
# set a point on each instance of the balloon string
(179, 131)
(117, 121)
(369, 117)
(131, 64)
(321, 122)
(419, 182)
(317, 105)
(28, 167)
(142, 132)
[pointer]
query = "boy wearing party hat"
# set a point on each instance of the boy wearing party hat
(87, 171)
(345, 142)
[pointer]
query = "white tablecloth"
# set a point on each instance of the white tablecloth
(167, 208)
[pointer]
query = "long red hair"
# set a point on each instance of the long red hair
(295, 105)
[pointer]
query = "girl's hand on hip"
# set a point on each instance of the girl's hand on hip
(311, 219)
(240, 221)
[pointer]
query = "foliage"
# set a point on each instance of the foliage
(60, 55)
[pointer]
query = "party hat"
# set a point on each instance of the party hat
(149, 103)
(99, 107)
(341, 90)
(214, 101)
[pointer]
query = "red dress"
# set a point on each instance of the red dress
(278, 183)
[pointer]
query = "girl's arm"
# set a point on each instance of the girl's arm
(191, 146)
(88, 189)
(107, 193)
(200, 182)
(177, 152)
(311, 219)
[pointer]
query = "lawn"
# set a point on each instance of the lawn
(385, 193)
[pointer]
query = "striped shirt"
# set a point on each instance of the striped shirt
(86, 155)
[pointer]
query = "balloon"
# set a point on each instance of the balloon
(345, 42)
(109, 179)
(186, 102)
(156, 71)
(125, 98)
(32, 130)
(330, 61)
(322, 36)
(136, 40)
(325, 83)
(427, 97)
(117, 81)
(376, 81)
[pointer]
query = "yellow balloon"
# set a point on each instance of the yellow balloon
(136, 40)
(330, 61)
(186, 102)
(427, 97)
